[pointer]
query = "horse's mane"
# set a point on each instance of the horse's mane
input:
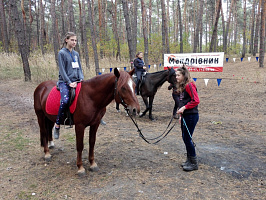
(159, 72)
(158, 82)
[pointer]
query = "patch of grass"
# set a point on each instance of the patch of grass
(20, 142)
(44, 67)
(24, 195)
(10, 66)
(70, 136)
(13, 141)
(33, 186)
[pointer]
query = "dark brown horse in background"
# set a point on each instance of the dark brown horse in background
(94, 96)
(148, 87)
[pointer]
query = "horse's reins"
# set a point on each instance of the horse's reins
(160, 137)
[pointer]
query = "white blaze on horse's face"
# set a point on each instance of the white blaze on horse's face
(130, 84)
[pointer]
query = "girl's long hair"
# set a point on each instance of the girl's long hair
(67, 36)
(187, 79)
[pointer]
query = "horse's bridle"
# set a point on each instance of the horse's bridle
(121, 99)
(171, 73)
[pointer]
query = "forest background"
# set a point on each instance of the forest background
(110, 32)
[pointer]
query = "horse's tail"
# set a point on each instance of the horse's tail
(45, 124)
(46, 136)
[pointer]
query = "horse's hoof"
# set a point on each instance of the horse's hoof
(51, 144)
(117, 110)
(47, 157)
(141, 115)
(81, 172)
(94, 168)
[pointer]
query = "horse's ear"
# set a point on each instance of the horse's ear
(132, 72)
(116, 72)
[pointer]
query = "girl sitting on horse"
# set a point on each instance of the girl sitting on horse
(139, 69)
(70, 72)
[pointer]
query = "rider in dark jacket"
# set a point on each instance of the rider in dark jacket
(139, 69)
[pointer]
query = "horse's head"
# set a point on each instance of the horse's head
(172, 77)
(125, 91)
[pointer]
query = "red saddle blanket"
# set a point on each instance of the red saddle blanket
(53, 101)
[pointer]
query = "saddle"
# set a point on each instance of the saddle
(53, 103)
(142, 79)
(72, 94)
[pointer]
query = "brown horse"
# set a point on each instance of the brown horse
(94, 96)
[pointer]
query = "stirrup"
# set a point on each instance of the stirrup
(70, 126)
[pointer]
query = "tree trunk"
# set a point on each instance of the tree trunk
(128, 29)
(134, 24)
(252, 27)
(167, 31)
(115, 30)
(256, 37)
(54, 31)
(37, 12)
(214, 33)
(223, 25)
(145, 34)
(180, 27)
(163, 29)
(71, 21)
(42, 28)
(63, 17)
(235, 29)
(21, 38)
(244, 31)
(150, 21)
(228, 25)
(101, 32)
(185, 16)
(93, 38)
(199, 22)
(4, 27)
(159, 19)
(72, 26)
(262, 34)
(201, 31)
(83, 31)
(176, 24)
(30, 29)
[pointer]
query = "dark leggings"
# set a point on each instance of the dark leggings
(64, 92)
(138, 73)
(191, 121)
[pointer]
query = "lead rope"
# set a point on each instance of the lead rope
(147, 139)
(188, 132)
(135, 122)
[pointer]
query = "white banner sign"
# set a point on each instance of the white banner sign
(196, 62)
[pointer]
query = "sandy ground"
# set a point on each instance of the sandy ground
(230, 139)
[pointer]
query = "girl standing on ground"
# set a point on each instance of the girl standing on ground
(188, 109)
(70, 72)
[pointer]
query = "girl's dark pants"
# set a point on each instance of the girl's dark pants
(191, 121)
(64, 92)
(138, 73)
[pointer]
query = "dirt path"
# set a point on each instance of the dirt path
(230, 139)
